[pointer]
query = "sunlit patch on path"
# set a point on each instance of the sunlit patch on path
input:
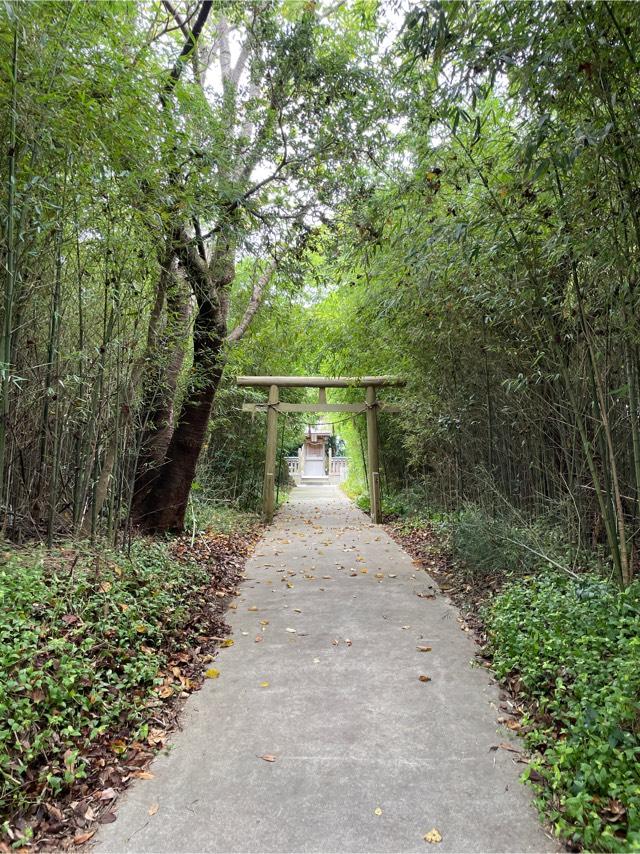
(346, 716)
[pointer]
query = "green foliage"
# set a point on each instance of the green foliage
(206, 514)
(395, 504)
(574, 646)
(493, 259)
(118, 146)
(80, 641)
(488, 544)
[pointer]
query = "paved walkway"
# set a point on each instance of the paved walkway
(368, 758)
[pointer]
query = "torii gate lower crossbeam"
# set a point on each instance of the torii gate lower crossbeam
(273, 406)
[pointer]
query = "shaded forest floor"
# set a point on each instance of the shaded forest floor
(100, 651)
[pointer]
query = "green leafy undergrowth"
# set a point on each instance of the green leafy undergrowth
(205, 514)
(571, 647)
(89, 645)
(393, 505)
(485, 545)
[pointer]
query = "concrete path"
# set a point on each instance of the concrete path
(368, 758)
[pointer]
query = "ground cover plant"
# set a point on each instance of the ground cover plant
(571, 647)
(97, 650)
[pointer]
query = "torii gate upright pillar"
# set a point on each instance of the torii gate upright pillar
(268, 489)
(373, 454)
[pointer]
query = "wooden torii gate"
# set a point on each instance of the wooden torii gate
(273, 406)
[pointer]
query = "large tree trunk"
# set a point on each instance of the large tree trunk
(164, 505)
(164, 364)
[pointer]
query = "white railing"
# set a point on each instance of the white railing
(293, 464)
(339, 467)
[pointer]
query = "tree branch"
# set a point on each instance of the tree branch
(186, 32)
(241, 62)
(225, 49)
(199, 239)
(177, 17)
(190, 45)
(254, 303)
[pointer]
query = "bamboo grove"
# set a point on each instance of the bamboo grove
(164, 164)
(447, 190)
(498, 263)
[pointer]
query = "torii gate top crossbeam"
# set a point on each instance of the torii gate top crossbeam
(321, 382)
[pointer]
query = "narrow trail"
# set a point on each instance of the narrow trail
(366, 757)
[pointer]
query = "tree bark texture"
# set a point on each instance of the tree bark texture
(163, 505)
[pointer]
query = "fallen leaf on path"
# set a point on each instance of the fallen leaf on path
(153, 809)
(379, 574)
(258, 639)
(364, 570)
(212, 673)
(432, 836)
(118, 746)
(424, 678)
(107, 818)
(423, 648)
(297, 610)
(143, 775)
(377, 811)
(268, 757)
(264, 684)
(293, 631)
(392, 575)
(226, 643)
(81, 838)
(264, 622)
(252, 608)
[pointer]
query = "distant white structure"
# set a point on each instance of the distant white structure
(315, 463)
